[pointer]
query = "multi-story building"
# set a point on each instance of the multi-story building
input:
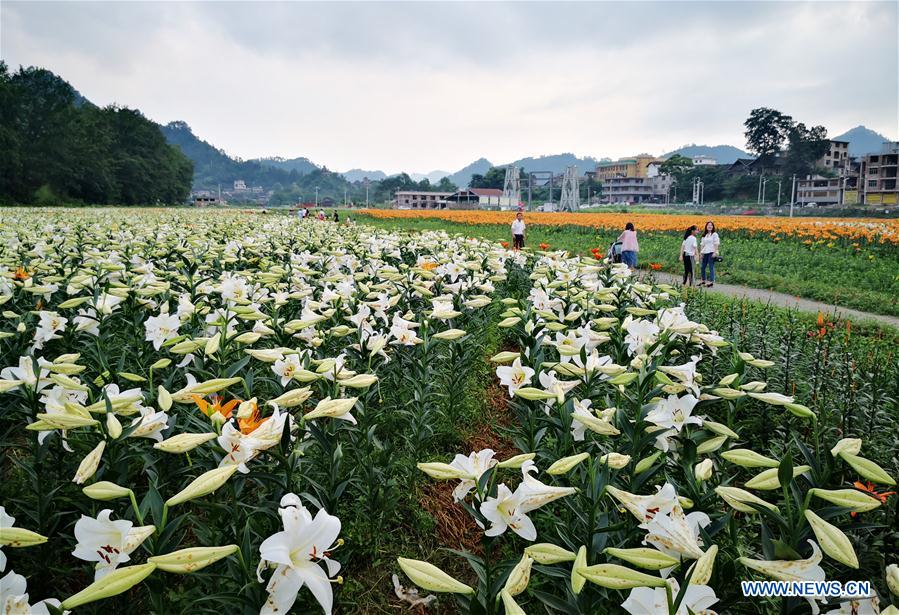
(636, 189)
(411, 199)
(879, 174)
(836, 156)
(624, 167)
(701, 160)
(820, 190)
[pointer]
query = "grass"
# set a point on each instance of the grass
(836, 273)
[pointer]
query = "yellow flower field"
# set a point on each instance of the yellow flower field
(868, 229)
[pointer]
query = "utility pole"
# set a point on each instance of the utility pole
(344, 198)
(758, 199)
(366, 190)
(764, 186)
(316, 196)
(779, 181)
(530, 183)
(793, 195)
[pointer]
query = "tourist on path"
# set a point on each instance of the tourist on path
(688, 253)
(518, 231)
(629, 245)
(708, 249)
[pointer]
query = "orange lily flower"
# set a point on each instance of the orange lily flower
(869, 489)
(544, 246)
(216, 406)
(250, 423)
(21, 274)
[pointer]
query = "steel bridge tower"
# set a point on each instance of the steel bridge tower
(512, 186)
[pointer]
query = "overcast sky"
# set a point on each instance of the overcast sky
(424, 86)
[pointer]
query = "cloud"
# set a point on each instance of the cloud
(416, 86)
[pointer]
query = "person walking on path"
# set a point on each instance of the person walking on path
(629, 245)
(708, 249)
(688, 252)
(518, 231)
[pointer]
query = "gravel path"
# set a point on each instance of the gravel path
(784, 300)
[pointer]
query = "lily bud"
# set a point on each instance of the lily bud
(616, 461)
(113, 426)
(513, 463)
(67, 369)
(105, 490)
(183, 442)
(868, 469)
(449, 334)
(248, 337)
(267, 355)
(728, 380)
(565, 464)
(132, 377)
(646, 463)
(505, 357)
(360, 381)
(20, 537)
(246, 408)
(832, 540)
(726, 393)
(803, 412)
(768, 480)
(190, 560)
(854, 500)
(613, 576)
(740, 499)
(511, 321)
(711, 445)
(292, 398)
(89, 464)
(703, 470)
(519, 577)
(212, 386)
(430, 577)
(847, 445)
(212, 344)
(442, 471)
(546, 553)
(509, 605)
(648, 559)
(623, 379)
(187, 346)
(66, 421)
(204, 484)
(580, 564)
(761, 363)
(114, 583)
(702, 569)
(137, 535)
(892, 575)
(746, 458)
(163, 398)
(331, 408)
(720, 429)
(161, 364)
(533, 394)
(775, 399)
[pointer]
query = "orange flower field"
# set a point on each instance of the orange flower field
(866, 229)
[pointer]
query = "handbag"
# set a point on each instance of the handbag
(718, 258)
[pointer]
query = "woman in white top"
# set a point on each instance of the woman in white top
(518, 231)
(688, 253)
(708, 249)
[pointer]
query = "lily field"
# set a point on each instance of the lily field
(228, 412)
(850, 262)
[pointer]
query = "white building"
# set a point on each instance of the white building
(240, 184)
(703, 160)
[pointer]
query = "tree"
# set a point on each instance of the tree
(807, 145)
(766, 131)
(445, 185)
(495, 177)
(676, 165)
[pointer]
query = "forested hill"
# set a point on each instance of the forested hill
(57, 147)
(213, 166)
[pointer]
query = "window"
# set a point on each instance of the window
(872, 183)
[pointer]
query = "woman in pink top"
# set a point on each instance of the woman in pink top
(629, 246)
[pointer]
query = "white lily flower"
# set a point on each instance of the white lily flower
(514, 376)
(297, 553)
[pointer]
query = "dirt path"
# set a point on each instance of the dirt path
(784, 300)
